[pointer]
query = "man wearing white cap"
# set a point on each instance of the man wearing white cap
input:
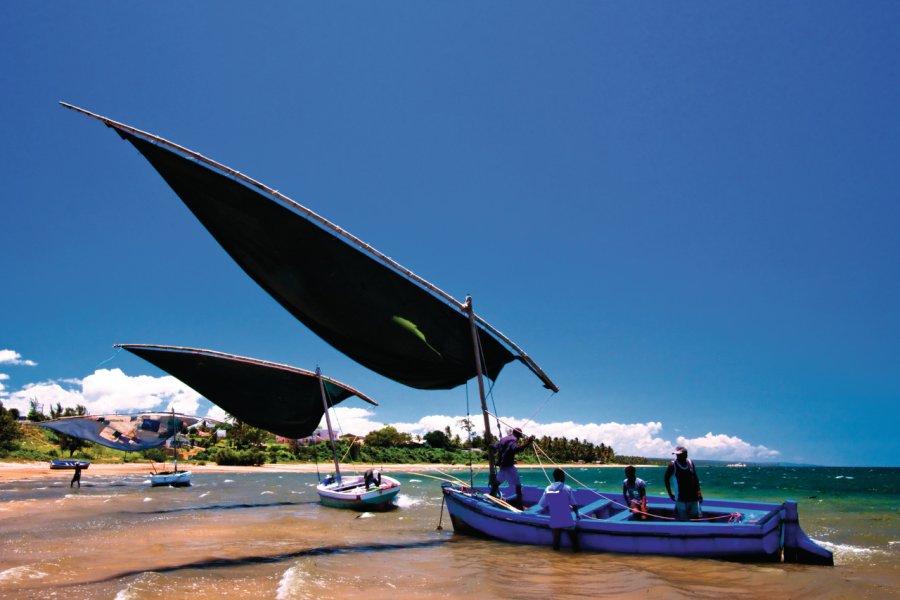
(687, 495)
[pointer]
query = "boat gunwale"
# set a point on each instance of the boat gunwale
(594, 526)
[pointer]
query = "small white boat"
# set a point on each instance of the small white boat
(351, 492)
(172, 478)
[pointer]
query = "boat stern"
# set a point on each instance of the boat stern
(798, 547)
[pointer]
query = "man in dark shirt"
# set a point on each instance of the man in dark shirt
(687, 495)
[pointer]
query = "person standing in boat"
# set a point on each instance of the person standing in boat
(76, 478)
(559, 501)
(687, 495)
(505, 450)
(634, 490)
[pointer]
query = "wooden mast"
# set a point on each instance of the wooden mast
(174, 444)
(476, 347)
(337, 467)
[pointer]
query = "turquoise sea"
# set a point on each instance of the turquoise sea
(264, 535)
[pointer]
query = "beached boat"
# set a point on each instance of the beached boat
(69, 464)
(278, 398)
(399, 325)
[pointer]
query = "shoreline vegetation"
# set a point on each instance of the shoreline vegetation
(238, 444)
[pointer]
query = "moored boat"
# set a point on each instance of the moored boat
(171, 478)
(353, 493)
(729, 529)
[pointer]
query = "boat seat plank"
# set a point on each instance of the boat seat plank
(625, 515)
(594, 506)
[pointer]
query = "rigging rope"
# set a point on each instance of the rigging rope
(469, 432)
(103, 362)
(732, 518)
(490, 391)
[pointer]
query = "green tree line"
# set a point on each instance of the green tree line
(247, 445)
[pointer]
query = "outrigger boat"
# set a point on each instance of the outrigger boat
(278, 398)
(399, 325)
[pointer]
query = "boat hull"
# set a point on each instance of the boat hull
(173, 479)
(352, 494)
(69, 464)
(736, 530)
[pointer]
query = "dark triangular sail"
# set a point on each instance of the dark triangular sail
(382, 316)
(364, 309)
(278, 398)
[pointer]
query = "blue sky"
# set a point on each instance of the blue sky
(687, 214)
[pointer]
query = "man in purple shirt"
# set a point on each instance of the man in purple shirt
(505, 450)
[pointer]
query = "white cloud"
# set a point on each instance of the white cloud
(11, 357)
(357, 421)
(724, 447)
(216, 412)
(628, 439)
(109, 391)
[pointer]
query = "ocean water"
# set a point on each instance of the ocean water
(264, 535)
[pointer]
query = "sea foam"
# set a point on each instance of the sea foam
(21, 573)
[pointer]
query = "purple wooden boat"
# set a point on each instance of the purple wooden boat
(729, 529)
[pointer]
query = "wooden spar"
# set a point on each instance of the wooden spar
(337, 467)
(476, 350)
(386, 260)
(251, 361)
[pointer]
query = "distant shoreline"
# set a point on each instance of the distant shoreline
(35, 469)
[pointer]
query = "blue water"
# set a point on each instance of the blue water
(263, 534)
